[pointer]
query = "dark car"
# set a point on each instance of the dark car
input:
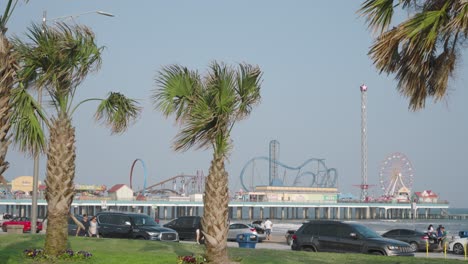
(72, 227)
(337, 236)
(416, 239)
(186, 226)
(134, 226)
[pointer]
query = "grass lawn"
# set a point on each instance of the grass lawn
(122, 251)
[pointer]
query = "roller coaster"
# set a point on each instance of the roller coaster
(311, 173)
(180, 185)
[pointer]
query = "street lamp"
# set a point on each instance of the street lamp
(39, 101)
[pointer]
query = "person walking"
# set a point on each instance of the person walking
(85, 231)
(268, 226)
(93, 227)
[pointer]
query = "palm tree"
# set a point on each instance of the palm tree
(423, 50)
(8, 66)
(55, 62)
(207, 109)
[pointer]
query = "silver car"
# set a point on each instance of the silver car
(240, 228)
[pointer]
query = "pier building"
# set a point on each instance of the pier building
(248, 210)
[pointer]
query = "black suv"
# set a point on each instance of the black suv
(186, 226)
(133, 225)
(336, 236)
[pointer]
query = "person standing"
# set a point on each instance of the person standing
(431, 234)
(268, 226)
(442, 237)
(93, 227)
(85, 231)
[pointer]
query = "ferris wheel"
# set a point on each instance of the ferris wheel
(396, 174)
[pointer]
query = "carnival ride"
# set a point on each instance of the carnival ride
(180, 185)
(311, 173)
(396, 176)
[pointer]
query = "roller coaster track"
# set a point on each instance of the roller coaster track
(324, 177)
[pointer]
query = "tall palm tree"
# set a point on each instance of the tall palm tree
(8, 67)
(55, 62)
(207, 109)
(423, 50)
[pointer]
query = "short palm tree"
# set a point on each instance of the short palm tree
(423, 50)
(207, 109)
(55, 62)
(8, 67)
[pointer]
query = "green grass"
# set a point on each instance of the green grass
(122, 251)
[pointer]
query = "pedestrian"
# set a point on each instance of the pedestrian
(44, 225)
(83, 232)
(268, 225)
(93, 227)
(431, 234)
(198, 235)
(442, 235)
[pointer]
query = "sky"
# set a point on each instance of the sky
(313, 55)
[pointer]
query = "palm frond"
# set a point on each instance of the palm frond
(9, 8)
(459, 22)
(58, 58)
(378, 14)
(117, 112)
(248, 88)
(178, 88)
(26, 120)
(207, 108)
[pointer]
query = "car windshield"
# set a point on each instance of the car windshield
(365, 231)
(144, 220)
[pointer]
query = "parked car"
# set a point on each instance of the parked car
(260, 231)
(416, 239)
(337, 236)
(133, 225)
(72, 227)
(186, 226)
(458, 245)
(289, 237)
(240, 228)
(24, 221)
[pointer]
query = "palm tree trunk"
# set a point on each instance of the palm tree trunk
(215, 215)
(60, 186)
(8, 68)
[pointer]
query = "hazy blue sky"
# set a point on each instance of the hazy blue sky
(314, 58)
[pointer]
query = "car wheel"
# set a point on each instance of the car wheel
(414, 246)
(458, 249)
(378, 253)
(309, 249)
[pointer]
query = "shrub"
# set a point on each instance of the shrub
(38, 253)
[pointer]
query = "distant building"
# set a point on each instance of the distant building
(23, 184)
(120, 192)
(292, 194)
(426, 196)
